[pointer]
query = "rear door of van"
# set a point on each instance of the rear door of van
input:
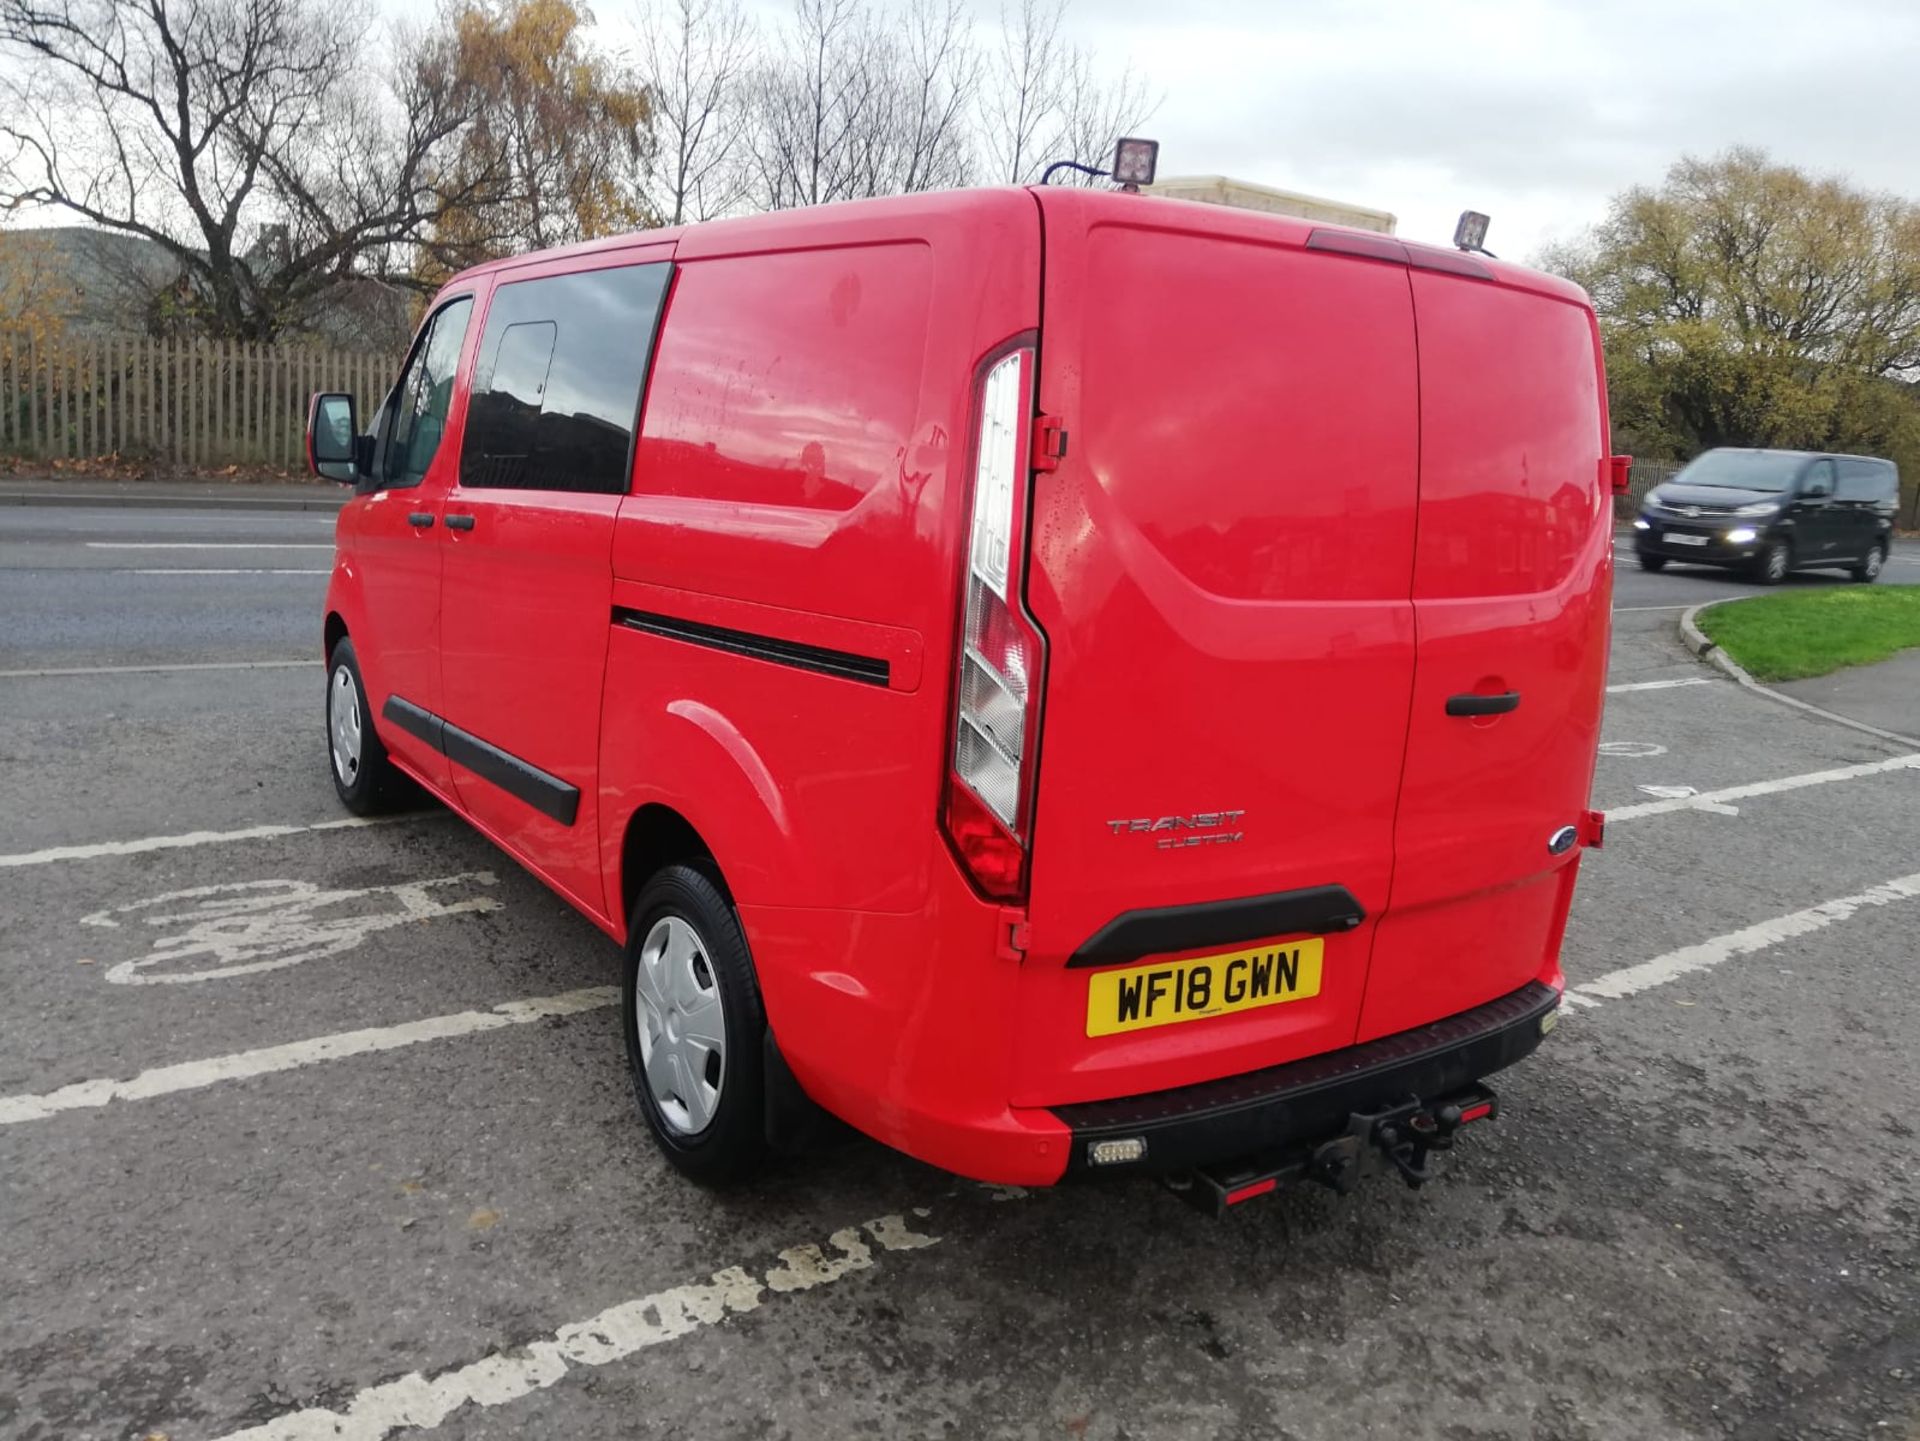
(1222, 564)
(1512, 585)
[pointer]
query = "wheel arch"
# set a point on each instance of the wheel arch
(657, 835)
(332, 632)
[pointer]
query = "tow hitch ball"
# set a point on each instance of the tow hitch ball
(1406, 1136)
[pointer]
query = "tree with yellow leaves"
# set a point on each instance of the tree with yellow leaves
(559, 138)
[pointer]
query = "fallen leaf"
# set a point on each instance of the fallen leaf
(85, 961)
(412, 1188)
(483, 1219)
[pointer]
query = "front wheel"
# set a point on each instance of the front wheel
(1771, 566)
(1870, 566)
(695, 1026)
(366, 781)
(1652, 562)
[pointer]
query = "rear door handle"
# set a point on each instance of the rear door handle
(421, 518)
(1471, 704)
(459, 522)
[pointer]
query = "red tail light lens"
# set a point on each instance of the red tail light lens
(997, 688)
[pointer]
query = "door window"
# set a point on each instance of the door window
(425, 395)
(556, 388)
(1819, 479)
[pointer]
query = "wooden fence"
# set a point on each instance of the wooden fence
(201, 403)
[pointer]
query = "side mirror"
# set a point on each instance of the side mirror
(333, 432)
(1816, 490)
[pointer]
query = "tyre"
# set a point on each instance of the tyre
(1774, 562)
(1652, 562)
(695, 1026)
(366, 781)
(1871, 564)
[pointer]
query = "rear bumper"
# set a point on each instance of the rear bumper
(1308, 1099)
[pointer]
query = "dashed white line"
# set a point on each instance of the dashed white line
(1718, 800)
(419, 1402)
(208, 544)
(161, 667)
(1688, 960)
(1657, 684)
(186, 570)
(1630, 609)
(186, 839)
(266, 1060)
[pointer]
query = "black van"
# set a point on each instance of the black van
(1769, 512)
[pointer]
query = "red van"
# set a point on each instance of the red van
(1064, 681)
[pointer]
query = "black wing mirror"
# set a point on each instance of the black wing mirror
(333, 435)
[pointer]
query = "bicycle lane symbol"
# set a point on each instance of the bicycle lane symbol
(245, 927)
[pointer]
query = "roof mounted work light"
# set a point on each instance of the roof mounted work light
(1471, 232)
(1134, 161)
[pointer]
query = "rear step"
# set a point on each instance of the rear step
(1401, 1137)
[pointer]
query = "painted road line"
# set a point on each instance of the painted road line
(311, 663)
(1658, 684)
(188, 839)
(1690, 960)
(208, 544)
(419, 1402)
(1719, 800)
(184, 570)
(1631, 609)
(267, 1060)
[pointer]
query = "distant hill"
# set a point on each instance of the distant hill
(102, 282)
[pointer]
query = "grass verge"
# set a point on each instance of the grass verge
(1813, 632)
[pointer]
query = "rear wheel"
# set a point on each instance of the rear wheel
(1870, 565)
(1652, 562)
(366, 781)
(1773, 563)
(694, 1025)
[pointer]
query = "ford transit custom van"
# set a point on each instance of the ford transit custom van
(1066, 682)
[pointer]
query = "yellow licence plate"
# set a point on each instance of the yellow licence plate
(1143, 996)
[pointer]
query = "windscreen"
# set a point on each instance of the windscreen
(1742, 470)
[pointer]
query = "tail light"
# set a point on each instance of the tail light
(996, 693)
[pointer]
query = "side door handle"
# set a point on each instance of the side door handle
(1471, 704)
(421, 518)
(459, 522)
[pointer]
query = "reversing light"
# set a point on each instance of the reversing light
(1471, 231)
(1117, 1153)
(1134, 161)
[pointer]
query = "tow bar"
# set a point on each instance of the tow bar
(1402, 1137)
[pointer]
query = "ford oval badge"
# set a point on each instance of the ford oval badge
(1561, 841)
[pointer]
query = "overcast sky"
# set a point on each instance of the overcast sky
(1535, 111)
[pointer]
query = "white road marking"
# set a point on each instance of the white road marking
(245, 927)
(1632, 609)
(313, 663)
(1632, 750)
(1669, 793)
(1688, 960)
(186, 839)
(184, 570)
(267, 1060)
(1718, 800)
(208, 544)
(1657, 684)
(417, 1402)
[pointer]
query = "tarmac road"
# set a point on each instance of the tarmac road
(354, 1155)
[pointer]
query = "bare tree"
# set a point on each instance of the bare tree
(1047, 100)
(234, 134)
(848, 104)
(696, 55)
